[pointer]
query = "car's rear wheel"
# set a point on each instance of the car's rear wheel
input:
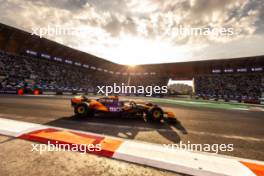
(82, 110)
(155, 114)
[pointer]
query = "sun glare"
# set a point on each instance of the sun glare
(132, 65)
(133, 51)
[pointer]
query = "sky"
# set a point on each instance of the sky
(142, 32)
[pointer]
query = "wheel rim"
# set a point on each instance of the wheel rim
(156, 114)
(81, 110)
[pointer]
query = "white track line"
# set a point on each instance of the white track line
(245, 138)
(242, 109)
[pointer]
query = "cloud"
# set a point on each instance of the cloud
(112, 24)
(118, 24)
(70, 5)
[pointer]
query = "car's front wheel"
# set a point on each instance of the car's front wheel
(155, 114)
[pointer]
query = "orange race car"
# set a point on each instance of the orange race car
(86, 107)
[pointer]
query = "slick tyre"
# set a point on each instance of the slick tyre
(82, 110)
(155, 114)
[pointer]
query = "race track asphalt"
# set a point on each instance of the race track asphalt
(243, 129)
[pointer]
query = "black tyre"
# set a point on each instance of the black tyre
(82, 110)
(155, 114)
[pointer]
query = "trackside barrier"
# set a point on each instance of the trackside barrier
(8, 92)
(49, 93)
(38, 92)
(180, 161)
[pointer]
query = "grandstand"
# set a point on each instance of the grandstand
(32, 73)
(241, 87)
(31, 63)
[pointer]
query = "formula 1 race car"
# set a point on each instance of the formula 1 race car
(84, 107)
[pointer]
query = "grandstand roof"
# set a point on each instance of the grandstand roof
(187, 70)
(17, 41)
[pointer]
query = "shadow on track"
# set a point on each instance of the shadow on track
(127, 128)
